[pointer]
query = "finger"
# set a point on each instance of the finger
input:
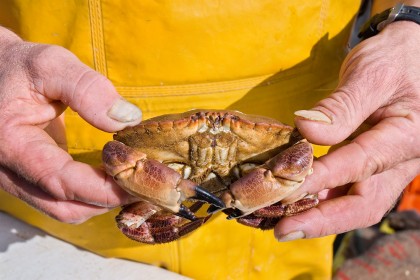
(370, 153)
(41, 162)
(328, 194)
(365, 86)
(64, 211)
(59, 75)
(364, 205)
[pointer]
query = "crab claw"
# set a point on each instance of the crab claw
(213, 209)
(152, 180)
(189, 190)
(271, 182)
(204, 195)
(233, 213)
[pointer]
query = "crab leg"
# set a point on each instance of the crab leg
(148, 223)
(271, 182)
(267, 218)
(151, 180)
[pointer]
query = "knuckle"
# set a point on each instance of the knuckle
(373, 217)
(65, 215)
(345, 110)
(82, 87)
(11, 56)
(71, 80)
(38, 59)
(39, 55)
(54, 186)
(324, 226)
(344, 104)
(372, 162)
(325, 230)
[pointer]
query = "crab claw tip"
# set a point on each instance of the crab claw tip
(213, 209)
(186, 213)
(234, 213)
(204, 195)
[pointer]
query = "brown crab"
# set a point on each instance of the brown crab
(243, 165)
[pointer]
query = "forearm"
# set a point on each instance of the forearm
(381, 5)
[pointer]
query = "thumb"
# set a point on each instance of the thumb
(364, 88)
(60, 75)
(332, 120)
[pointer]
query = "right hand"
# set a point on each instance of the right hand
(37, 83)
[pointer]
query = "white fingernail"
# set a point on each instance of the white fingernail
(124, 111)
(313, 115)
(294, 235)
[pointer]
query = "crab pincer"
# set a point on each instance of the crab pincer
(152, 181)
(261, 191)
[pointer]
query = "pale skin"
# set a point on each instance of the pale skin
(359, 181)
(379, 93)
(37, 82)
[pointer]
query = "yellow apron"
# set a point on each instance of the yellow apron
(262, 57)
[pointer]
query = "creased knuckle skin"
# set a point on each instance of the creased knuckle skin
(345, 109)
(372, 162)
(54, 187)
(45, 61)
(40, 56)
(66, 215)
(83, 84)
(373, 217)
(38, 60)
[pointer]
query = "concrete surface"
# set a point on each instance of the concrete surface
(29, 253)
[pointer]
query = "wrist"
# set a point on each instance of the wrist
(403, 27)
(399, 12)
(379, 6)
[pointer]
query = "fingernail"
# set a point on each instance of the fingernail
(124, 111)
(294, 235)
(313, 115)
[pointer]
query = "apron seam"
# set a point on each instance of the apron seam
(323, 14)
(97, 33)
(208, 88)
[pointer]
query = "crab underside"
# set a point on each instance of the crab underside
(242, 165)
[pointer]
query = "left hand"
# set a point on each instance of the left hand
(377, 106)
(37, 83)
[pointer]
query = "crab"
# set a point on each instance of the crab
(242, 165)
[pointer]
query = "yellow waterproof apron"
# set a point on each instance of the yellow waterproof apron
(260, 57)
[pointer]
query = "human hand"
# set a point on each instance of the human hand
(377, 106)
(37, 83)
